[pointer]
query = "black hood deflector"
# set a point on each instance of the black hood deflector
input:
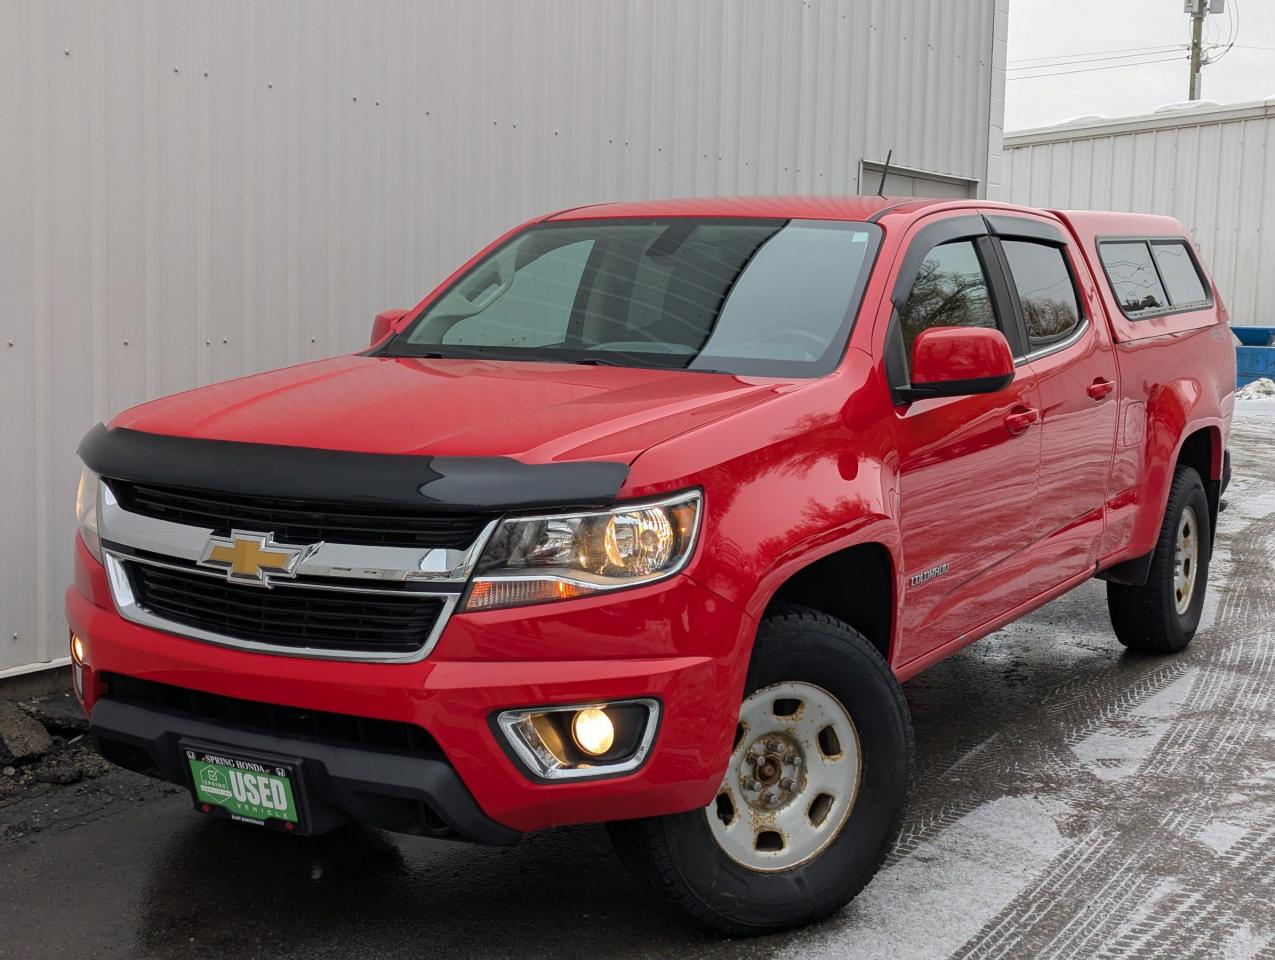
(307, 473)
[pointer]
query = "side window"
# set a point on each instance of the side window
(1177, 270)
(950, 291)
(1045, 289)
(1134, 278)
(535, 309)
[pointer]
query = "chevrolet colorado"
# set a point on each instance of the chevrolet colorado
(643, 516)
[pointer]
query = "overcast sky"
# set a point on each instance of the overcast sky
(1070, 39)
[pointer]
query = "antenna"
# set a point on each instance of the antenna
(885, 172)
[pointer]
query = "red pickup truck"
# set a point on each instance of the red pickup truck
(643, 516)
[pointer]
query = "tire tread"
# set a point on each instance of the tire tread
(1140, 615)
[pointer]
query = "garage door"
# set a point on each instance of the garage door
(902, 182)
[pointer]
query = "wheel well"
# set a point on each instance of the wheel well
(1202, 452)
(1199, 450)
(855, 585)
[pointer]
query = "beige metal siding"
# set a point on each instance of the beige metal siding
(1212, 168)
(194, 191)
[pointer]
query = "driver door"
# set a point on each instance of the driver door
(968, 466)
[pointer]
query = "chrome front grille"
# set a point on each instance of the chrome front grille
(346, 601)
(293, 615)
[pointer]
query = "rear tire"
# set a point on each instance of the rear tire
(800, 828)
(1162, 616)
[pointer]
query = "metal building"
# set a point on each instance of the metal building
(1212, 167)
(191, 191)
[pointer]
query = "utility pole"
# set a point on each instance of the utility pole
(1196, 9)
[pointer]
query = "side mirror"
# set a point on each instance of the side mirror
(383, 323)
(959, 362)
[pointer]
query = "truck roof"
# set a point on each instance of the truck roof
(857, 208)
(1099, 223)
(791, 207)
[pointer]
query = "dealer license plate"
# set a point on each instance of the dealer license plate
(263, 792)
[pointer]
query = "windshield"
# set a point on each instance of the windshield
(750, 297)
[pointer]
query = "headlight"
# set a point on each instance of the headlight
(534, 559)
(86, 511)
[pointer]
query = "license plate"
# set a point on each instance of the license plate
(258, 791)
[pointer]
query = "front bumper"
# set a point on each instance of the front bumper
(418, 795)
(673, 641)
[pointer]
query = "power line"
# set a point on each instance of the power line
(1114, 66)
(1120, 56)
(1233, 22)
(1095, 53)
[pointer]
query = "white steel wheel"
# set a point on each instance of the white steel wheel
(812, 797)
(1186, 560)
(792, 779)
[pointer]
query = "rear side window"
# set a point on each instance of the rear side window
(1152, 277)
(1177, 270)
(950, 291)
(1045, 289)
(1134, 277)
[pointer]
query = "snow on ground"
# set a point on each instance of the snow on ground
(1263, 388)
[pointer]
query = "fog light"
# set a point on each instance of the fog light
(581, 740)
(77, 665)
(593, 731)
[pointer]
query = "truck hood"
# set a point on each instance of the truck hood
(532, 412)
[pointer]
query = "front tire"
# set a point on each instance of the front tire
(813, 795)
(1162, 616)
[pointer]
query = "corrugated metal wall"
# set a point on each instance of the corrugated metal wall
(193, 191)
(1213, 168)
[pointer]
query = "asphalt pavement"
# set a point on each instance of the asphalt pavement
(1071, 800)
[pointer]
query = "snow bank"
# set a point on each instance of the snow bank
(1262, 388)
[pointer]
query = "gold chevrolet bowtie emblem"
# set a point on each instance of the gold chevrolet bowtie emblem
(252, 557)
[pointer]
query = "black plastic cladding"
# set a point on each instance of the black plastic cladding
(307, 473)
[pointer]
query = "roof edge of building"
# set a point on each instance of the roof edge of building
(1169, 119)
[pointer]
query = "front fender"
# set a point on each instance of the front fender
(799, 477)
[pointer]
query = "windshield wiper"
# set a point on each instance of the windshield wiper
(417, 354)
(600, 362)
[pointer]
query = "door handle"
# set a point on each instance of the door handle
(1020, 418)
(1101, 388)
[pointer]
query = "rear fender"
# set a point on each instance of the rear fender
(1175, 413)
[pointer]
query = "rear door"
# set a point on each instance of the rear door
(1070, 352)
(967, 465)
